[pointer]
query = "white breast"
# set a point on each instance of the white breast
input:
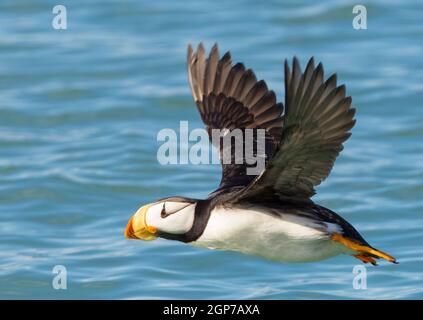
(289, 238)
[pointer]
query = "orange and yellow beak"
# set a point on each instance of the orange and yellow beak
(137, 227)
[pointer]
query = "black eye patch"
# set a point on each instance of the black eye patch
(165, 214)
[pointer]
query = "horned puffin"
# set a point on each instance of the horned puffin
(270, 214)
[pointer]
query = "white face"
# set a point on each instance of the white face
(171, 217)
(166, 216)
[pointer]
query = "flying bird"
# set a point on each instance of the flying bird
(270, 214)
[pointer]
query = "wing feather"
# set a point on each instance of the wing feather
(317, 122)
(230, 97)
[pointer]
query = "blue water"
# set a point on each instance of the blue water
(80, 110)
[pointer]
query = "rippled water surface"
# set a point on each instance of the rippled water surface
(80, 110)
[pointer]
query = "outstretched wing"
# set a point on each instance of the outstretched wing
(230, 97)
(317, 121)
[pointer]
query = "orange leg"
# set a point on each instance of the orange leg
(362, 249)
(365, 259)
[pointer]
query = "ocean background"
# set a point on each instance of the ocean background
(80, 110)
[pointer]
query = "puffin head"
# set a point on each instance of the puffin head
(163, 218)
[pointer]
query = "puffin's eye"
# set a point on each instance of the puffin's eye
(172, 207)
(163, 213)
